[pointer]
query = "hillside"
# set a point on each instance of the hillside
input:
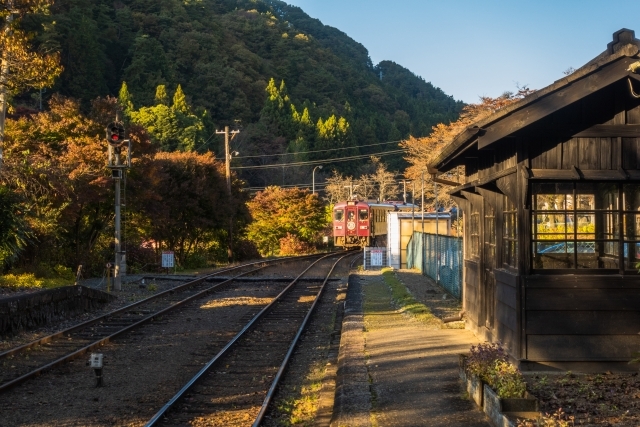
(223, 53)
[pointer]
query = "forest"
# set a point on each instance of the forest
(177, 71)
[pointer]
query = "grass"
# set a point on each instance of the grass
(30, 281)
(406, 302)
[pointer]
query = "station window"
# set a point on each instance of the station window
(576, 225)
(338, 215)
(509, 233)
(474, 234)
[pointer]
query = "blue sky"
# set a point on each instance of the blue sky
(484, 47)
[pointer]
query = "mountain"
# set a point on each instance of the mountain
(224, 53)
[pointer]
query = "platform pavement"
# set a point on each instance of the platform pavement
(396, 372)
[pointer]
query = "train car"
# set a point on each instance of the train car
(359, 224)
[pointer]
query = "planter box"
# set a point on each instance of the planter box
(497, 408)
(462, 364)
(475, 388)
(473, 383)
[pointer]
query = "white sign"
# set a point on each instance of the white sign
(167, 259)
(376, 257)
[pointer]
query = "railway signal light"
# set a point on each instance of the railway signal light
(115, 134)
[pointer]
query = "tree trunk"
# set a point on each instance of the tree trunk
(4, 90)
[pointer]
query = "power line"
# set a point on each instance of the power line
(319, 162)
(319, 151)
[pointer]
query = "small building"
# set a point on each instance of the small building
(551, 204)
(401, 227)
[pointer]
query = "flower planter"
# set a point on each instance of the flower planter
(475, 388)
(502, 412)
(472, 382)
(462, 364)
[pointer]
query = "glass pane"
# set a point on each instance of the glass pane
(632, 256)
(631, 194)
(551, 255)
(339, 214)
(586, 202)
(364, 214)
(631, 226)
(554, 202)
(594, 255)
(586, 226)
(553, 226)
(607, 225)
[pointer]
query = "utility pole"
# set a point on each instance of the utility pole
(404, 191)
(227, 157)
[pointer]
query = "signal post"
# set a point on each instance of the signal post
(116, 140)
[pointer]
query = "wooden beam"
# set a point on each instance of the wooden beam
(609, 131)
(577, 174)
(446, 182)
(553, 102)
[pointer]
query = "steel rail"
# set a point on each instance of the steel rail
(182, 287)
(292, 346)
(157, 417)
(75, 354)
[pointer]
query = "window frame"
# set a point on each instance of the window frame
(509, 236)
(613, 230)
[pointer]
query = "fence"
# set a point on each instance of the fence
(439, 257)
(375, 258)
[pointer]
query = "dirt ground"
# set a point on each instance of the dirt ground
(593, 400)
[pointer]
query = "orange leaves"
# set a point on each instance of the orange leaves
(423, 150)
(282, 213)
(26, 68)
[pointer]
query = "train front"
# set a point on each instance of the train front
(351, 226)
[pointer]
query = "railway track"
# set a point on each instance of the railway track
(27, 361)
(236, 386)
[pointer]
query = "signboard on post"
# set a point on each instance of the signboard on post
(167, 259)
(376, 257)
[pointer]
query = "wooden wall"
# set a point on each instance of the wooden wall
(570, 318)
(558, 320)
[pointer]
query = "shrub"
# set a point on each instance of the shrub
(490, 363)
(292, 245)
(482, 358)
(29, 281)
(506, 380)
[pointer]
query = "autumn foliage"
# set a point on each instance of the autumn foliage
(285, 221)
(62, 192)
(422, 151)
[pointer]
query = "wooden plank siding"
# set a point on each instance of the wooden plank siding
(586, 132)
(581, 318)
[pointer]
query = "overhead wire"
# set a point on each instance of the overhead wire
(321, 161)
(319, 151)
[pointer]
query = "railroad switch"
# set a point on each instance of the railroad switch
(95, 361)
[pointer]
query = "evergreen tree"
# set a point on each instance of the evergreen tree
(161, 95)
(179, 99)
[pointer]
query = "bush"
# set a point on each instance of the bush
(30, 281)
(482, 358)
(292, 245)
(490, 363)
(506, 380)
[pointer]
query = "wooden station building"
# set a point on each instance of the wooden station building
(551, 204)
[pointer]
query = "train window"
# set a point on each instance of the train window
(338, 215)
(364, 215)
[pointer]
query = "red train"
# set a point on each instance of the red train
(359, 224)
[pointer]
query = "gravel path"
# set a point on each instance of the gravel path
(396, 372)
